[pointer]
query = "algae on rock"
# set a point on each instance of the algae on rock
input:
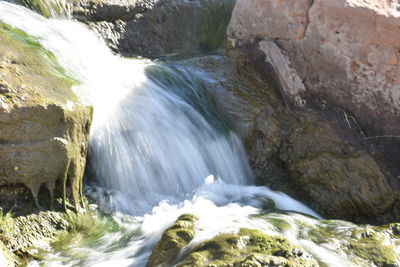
(247, 248)
(44, 127)
(172, 241)
(364, 245)
(25, 236)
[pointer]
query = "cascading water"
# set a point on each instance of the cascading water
(158, 151)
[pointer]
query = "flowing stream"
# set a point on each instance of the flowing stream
(158, 151)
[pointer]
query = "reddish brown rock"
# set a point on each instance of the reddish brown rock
(345, 51)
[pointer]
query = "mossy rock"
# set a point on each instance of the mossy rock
(37, 236)
(44, 126)
(344, 180)
(379, 245)
(26, 235)
(364, 245)
(247, 248)
(172, 241)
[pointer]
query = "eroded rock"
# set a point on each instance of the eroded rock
(44, 126)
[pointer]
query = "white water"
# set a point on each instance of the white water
(155, 155)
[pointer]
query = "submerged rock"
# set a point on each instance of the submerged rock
(44, 126)
(37, 236)
(155, 28)
(365, 245)
(172, 241)
(247, 248)
(25, 236)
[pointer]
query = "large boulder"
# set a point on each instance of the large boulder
(44, 127)
(345, 52)
(154, 28)
(342, 180)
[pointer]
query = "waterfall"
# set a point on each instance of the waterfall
(154, 151)
(146, 142)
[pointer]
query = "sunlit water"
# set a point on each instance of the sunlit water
(157, 152)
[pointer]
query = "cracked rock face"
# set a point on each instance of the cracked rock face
(346, 52)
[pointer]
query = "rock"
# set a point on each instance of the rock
(310, 154)
(365, 245)
(289, 81)
(44, 127)
(25, 236)
(344, 181)
(172, 241)
(283, 19)
(38, 235)
(154, 28)
(345, 52)
(247, 248)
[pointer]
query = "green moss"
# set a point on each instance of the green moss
(376, 245)
(280, 224)
(34, 68)
(85, 230)
(216, 22)
(247, 248)
(372, 244)
(172, 241)
(26, 235)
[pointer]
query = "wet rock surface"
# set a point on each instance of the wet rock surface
(247, 248)
(172, 241)
(44, 127)
(365, 245)
(25, 236)
(154, 28)
(313, 154)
